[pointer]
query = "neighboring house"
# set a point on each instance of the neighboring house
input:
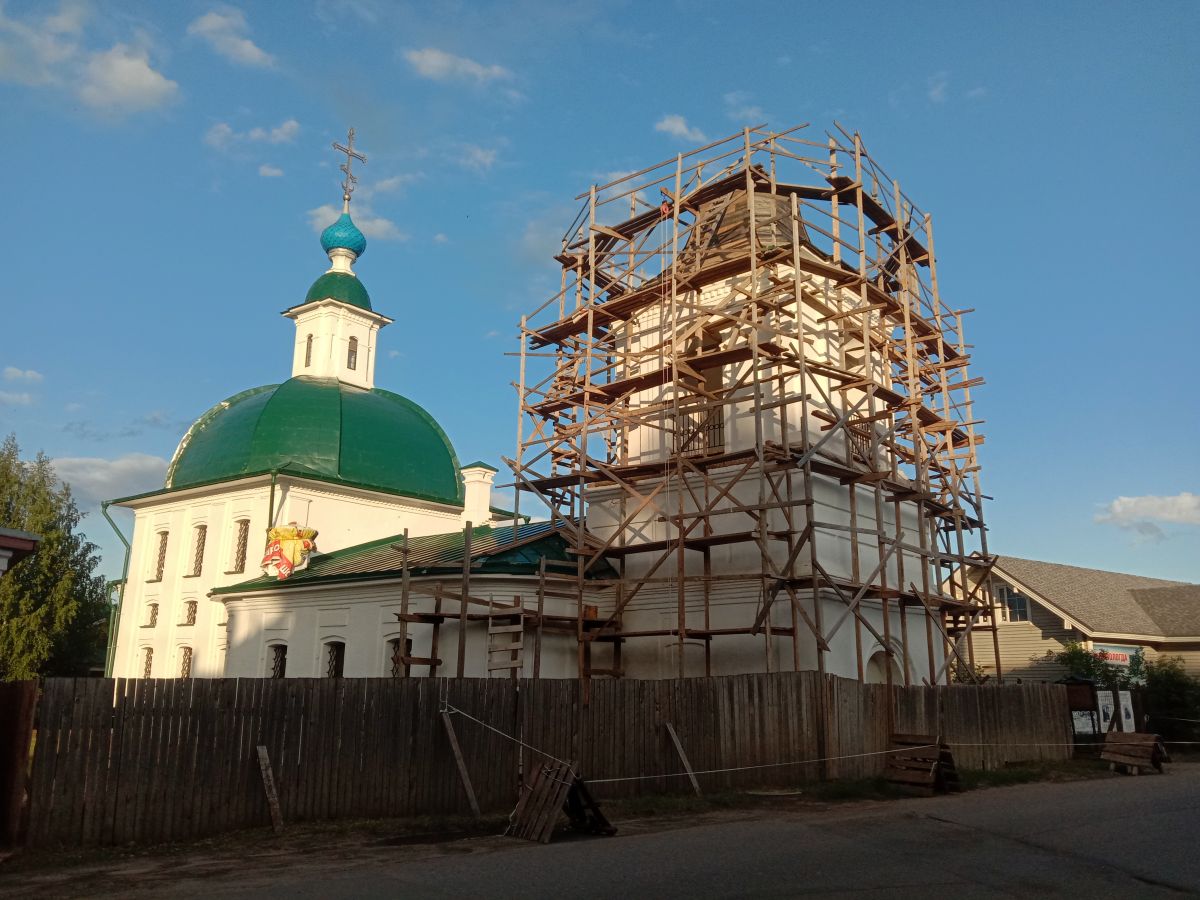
(1041, 606)
(15, 546)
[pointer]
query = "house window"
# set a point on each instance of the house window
(185, 662)
(147, 661)
(1015, 605)
(278, 660)
(160, 565)
(335, 659)
(239, 549)
(308, 352)
(199, 538)
(352, 355)
(396, 657)
(189, 612)
(151, 615)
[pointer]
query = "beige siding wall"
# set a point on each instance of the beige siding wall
(1189, 653)
(1023, 647)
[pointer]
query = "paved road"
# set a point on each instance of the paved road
(1112, 837)
(1118, 837)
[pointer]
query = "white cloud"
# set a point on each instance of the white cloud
(270, 171)
(977, 93)
(438, 65)
(225, 31)
(95, 479)
(740, 109)
(394, 354)
(677, 126)
(440, 238)
(372, 225)
(50, 52)
(8, 398)
(1141, 515)
(477, 159)
(222, 136)
(122, 80)
(392, 183)
(937, 85)
(12, 373)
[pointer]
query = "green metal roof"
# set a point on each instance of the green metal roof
(480, 464)
(321, 427)
(339, 286)
(494, 551)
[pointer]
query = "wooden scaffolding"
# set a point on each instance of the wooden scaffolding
(737, 330)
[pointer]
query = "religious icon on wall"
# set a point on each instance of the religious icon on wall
(288, 549)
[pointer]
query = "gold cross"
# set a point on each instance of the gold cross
(351, 154)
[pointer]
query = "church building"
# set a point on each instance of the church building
(746, 429)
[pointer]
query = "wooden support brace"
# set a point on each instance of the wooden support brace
(687, 766)
(462, 766)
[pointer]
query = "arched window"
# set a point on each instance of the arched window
(308, 352)
(352, 355)
(278, 660)
(185, 662)
(238, 563)
(151, 615)
(335, 659)
(190, 609)
(147, 661)
(160, 561)
(199, 537)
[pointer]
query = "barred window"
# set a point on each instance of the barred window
(335, 659)
(199, 539)
(160, 566)
(396, 656)
(308, 352)
(239, 550)
(147, 661)
(352, 355)
(189, 612)
(278, 660)
(185, 662)
(151, 615)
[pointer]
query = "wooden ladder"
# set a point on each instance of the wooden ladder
(506, 638)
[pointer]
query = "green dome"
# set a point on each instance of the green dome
(339, 286)
(324, 428)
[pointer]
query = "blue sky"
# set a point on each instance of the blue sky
(166, 166)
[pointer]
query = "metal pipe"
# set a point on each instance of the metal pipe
(114, 612)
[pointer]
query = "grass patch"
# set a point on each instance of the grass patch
(1028, 772)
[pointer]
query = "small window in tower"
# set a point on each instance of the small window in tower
(147, 661)
(160, 564)
(238, 563)
(199, 537)
(189, 612)
(308, 352)
(352, 355)
(185, 662)
(335, 659)
(278, 660)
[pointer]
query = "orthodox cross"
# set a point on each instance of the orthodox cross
(351, 154)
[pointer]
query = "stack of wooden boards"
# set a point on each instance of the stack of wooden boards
(923, 763)
(1134, 753)
(557, 788)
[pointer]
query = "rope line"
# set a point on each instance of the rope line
(454, 709)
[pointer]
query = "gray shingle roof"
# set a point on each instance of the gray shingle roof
(1111, 601)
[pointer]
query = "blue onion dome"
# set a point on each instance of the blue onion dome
(344, 234)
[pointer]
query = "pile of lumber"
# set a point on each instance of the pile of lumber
(922, 763)
(1132, 753)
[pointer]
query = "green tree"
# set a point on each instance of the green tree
(53, 606)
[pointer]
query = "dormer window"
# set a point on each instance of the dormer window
(308, 352)
(352, 355)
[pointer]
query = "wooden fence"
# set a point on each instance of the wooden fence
(141, 760)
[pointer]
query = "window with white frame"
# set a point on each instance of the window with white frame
(277, 660)
(237, 563)
(308, 351)
(1014, 605)
(147, 661)
(352, 355)
(190, 608)
(151, 615)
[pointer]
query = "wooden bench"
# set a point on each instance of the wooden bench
(1133, 753)
(921, 762)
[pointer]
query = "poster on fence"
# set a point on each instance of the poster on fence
(1127, 720)
(1104, 700)
(1084, 721)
